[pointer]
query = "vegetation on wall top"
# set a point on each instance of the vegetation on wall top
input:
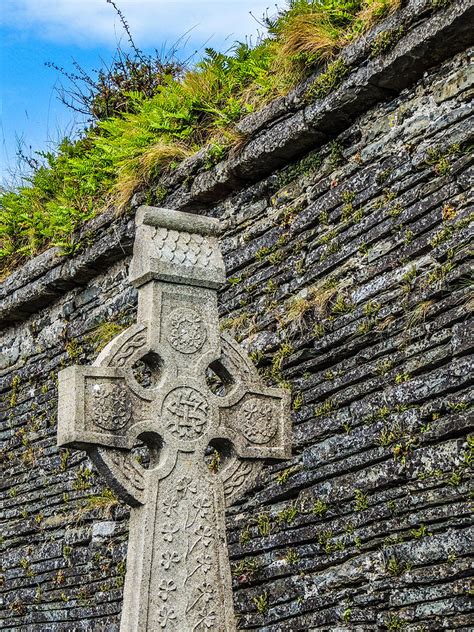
(145, 115)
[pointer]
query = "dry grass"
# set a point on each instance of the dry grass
(104, 504)
(138, 172)
(419, 313)
(316, 302)
(375, 10)
(311, 35)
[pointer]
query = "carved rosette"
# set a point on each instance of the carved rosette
(259, 422)
(111, 408)
(185, 412)
(186, 331)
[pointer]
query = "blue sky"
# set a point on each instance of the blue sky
(33, 32)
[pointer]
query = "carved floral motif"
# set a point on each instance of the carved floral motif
(186, 331)
(111, 406)
(165, 615)
(191, 528)
(206, 621)
(170, 505)
(203, 506)
(165, 588)
(259, 423)
(185, 412)
(185, 485)
(168, 558)
(168, 530)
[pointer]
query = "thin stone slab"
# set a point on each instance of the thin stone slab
(178, 574)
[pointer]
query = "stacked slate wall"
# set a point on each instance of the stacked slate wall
(348, 282)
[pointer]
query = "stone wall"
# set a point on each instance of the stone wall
(348, 281)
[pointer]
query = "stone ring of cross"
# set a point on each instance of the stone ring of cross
(151, 384)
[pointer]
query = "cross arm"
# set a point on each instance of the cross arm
(254, 417)
(95, 408)
(258, 423)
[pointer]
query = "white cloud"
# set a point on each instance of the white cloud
(92, 22)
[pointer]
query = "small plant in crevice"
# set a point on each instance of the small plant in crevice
(342, 305)
(361, 500)
(347, 427)
(282, 477)
(261, 603)
(14, 386)
(246, 568)
(325, 408)
(103, 503)
(346, 615)
(319, 330)
(83, 478)
(103, 334)
(383, 367)
(400, 378)
(442, 235)
(73, 349)
(440, 4)
(215, 153)
(235, 323)
(214, 461)
(26, 566)
(271, 287)
(371, 308)
(298, 401)
(288, 514)
(284, 351)
(448, 212)
(385, 41)
(396, 567)
(440, 159)
(388, 436)
(67, 551)
(328, 81)
(121, 569)
(319, 507)
(292, 557)
(402, 449)
(335, 154)
(418, 314)
(244, 536)
(326, 541)
(263, 524)
(456, 478)
(64, 455)
(394, 622)
(420, 532)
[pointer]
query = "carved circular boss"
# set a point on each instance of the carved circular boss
(186, 331)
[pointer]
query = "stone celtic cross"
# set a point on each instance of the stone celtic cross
(178, 573)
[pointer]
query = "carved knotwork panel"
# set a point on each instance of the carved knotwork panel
(185, 412)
